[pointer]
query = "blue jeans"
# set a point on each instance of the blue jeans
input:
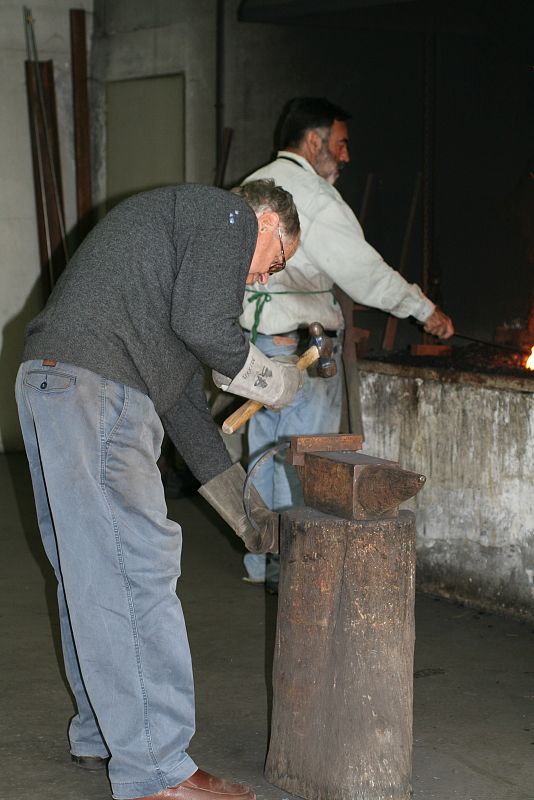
(315, 409)
(92, 446)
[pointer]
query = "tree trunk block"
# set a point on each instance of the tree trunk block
(343, 664)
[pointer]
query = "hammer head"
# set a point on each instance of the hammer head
(326, 366)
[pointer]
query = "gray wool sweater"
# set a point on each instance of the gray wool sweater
(153, 293)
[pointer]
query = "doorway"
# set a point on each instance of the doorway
(144, 135)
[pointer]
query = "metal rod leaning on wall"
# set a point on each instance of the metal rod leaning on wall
(41, 101)
(223, 157)
(82, 137)
(223, 135)
(364, 208)
(429, 155)
(351, 414)
(42, 209)
(33, 56)
(50, 243)
(346, 302)
(393, 322)
(429, 146)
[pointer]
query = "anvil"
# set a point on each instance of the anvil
(337, 479)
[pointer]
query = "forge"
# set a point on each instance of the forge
(467, 422)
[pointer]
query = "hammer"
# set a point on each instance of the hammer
(326, 365)
(248, 409)
(321, 344)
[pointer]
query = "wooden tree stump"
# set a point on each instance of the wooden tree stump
(343, 665)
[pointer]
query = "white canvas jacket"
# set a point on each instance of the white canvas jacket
(332, 251)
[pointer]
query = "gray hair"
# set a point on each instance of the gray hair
(263, 195)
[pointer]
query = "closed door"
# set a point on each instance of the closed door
(144, 135)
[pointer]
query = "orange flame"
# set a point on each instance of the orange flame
(530, 360)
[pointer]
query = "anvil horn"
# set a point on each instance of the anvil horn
(380, 489)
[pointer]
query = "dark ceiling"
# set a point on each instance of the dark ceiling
(453, 15)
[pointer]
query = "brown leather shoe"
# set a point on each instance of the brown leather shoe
(203, 786)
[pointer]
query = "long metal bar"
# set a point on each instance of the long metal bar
(392, 323)
(492, 344)
(220, 169)
(429, 132)
(364, 208)
(82, 138)
(351, 415)
(55, 184)
(41, 191)
(219, 83)
(39, 154)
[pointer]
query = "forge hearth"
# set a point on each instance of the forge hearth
(517, 333)
(473, 358)
(470, 429)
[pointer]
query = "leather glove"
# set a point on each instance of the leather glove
(287, 360)
(225, 494)
(266, 380)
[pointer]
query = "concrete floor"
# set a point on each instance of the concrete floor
(474, 678)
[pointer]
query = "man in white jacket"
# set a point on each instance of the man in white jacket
(313, 137)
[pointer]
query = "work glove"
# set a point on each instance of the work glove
(266, 380)
(224, 493)
(287, 360)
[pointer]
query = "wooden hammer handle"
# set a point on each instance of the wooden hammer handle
(248, 409)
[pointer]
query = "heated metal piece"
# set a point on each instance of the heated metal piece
(322, 443)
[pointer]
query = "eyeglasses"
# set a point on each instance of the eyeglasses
(278, 266)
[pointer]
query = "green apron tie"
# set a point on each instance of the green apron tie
(260, 298)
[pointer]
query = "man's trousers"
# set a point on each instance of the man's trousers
(92, 446)
(315, 409)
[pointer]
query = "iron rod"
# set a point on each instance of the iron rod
(59, 207)
(35, 126)
(492, 344)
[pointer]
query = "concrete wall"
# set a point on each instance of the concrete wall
(136, 39)
(475, 516)
(20, 290)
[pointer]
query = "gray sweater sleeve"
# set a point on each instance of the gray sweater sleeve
(194, 433)
(206, 303)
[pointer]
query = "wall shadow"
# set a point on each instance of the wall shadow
(17, 465)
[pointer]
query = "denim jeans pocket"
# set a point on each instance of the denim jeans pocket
(114, 408)
(49, 382)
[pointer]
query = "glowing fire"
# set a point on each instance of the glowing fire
(530, 360)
